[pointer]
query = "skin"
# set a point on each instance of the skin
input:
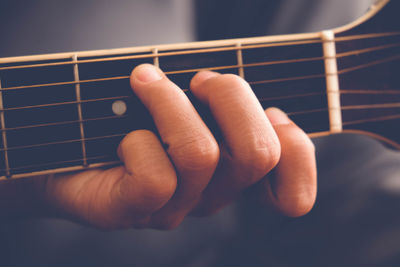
(186, 171)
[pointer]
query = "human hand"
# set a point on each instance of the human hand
(187, 171)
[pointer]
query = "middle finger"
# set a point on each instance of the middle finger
(250, 145)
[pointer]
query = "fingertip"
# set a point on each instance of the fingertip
(145, 73)
(201, 77)
(277, 116)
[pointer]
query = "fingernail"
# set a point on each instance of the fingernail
(277, 116)
(202, 76)
(147, 73)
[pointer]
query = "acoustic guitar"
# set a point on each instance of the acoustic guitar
(69, 111)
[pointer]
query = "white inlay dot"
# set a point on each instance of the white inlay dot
(119, 107)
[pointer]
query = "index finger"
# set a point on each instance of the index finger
(190, 144)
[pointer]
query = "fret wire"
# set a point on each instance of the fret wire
(4, 136)
(239, 56)
(63, 142)
(79, 106)
(207, 50)
(156, 59)
(63, 123)
(345, 54)
(67, 103)
(59, 162)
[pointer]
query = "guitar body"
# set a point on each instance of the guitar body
(381, 80)
(69, 111)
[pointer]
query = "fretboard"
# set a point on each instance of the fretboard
(69, 111)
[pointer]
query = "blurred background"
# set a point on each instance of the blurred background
(354, 222)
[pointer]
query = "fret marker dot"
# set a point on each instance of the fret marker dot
(119, 107)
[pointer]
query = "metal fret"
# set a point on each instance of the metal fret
(332, 81)
(79, 106)
(4, 135)
(156, 60)
(240, 59)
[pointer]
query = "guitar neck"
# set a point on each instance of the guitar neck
(69, 111)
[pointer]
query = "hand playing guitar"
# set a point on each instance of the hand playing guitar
(187, 171)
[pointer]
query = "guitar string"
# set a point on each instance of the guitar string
(244, 65)
(354, 122)
(247, 65)
(263, 99)
(210, 50)
(374, 63)
(381, 118)
(301, 112)
(61, 162)
(371, 92)
(63, 122)
(67, 103)
(346, 123)
(165, 54)
(125, 116)
(64, 142)
(322, 75)
(257, 82)
(305, 77)
(388, 105)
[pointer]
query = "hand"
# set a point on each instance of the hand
(187, 171)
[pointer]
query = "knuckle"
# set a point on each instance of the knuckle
(134, 137)
(197, 154)
(297, 139)
(156, 190)
(258, 160)
(146, 193)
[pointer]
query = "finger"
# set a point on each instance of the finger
(119, 197)
(149, 178)
(190, 144)
(293, 188)
(250, 147)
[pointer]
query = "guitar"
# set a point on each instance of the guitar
(69, 111)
